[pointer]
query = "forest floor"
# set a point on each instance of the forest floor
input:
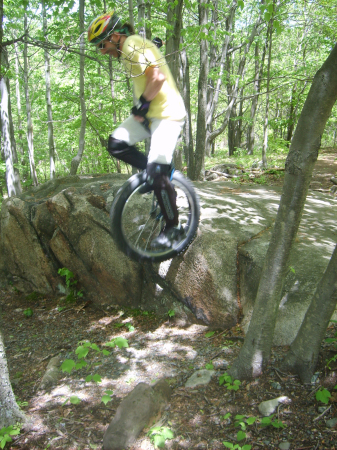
(37, 328)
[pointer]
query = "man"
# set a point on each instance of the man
(159, 113)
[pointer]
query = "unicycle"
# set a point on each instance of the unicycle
(136, 218)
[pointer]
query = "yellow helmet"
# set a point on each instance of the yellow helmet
(102, 27)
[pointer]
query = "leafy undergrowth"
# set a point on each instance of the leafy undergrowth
(105, 353)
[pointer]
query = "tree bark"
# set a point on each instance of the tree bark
(259, 65)
(77, 159)
(266, 116)
(8, 145)
(173, 32)
(234, 91)
(18, 103)
(303, 353)
(298, 171)
(200, 146)
(30, 140)
(10, 413)
(51, 143)
(186, 94)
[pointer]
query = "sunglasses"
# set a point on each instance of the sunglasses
(101, 45)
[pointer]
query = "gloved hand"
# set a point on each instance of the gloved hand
(141, 108)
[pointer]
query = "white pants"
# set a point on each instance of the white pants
(164, 135)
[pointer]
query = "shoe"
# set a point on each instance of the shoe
(145, 188)
(167, 237)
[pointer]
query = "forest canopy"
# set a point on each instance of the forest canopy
(254, 60)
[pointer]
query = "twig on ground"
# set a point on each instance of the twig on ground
(321, 415)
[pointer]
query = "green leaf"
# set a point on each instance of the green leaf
(95, 347)
(241, 4)
(209, 334)
(167, 433)
(246, 447)
(106, 399)
(97, 378)
(240, 436)
(74, 400)
(228, 444)
(28, 312)
(82, 351)
(80, 364)
(68, 365)
(209, 366)
(323, 395)
(159, 441)
(105, 352)
(251, 420)
(88, 378)
(109, 392)
(121, 342)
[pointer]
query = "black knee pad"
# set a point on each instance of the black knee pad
(115, 146)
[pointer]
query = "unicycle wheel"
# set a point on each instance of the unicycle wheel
(136, 219)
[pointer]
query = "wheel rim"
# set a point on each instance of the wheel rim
(141, 221)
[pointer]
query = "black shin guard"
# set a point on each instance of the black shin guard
(127, 153)
(164, 191)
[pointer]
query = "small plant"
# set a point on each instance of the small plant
(7, 432)
(82, 352)
(209, 366)
(230, 384)
(209, 334)
(237, 446)
(276, 423)
(28, 312)
(323, 395)
(158, 436)
(107, 397)
(171, 313)
(70, 291)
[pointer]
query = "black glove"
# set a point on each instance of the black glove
(141, 108)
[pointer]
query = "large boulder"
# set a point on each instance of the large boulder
(65, 223)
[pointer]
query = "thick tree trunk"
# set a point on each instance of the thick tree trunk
(30, 140)
(298, 171)
(200, 146)
(303, 353)
(10, 413)
(78, 158)
(51, 142)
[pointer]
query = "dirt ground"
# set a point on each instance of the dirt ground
(72, 415)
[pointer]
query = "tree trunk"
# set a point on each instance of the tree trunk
(18, 103)
(10, 413)
(234, 91)
(8, 145)
(173, 31)
(186, 94)
(200, 146)
(266, 116)
(77, 159)
(259, 65)
(51, 142)
(303, 353)
(131, 18)
(141, 18)
(298, 171)
(30, 140)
